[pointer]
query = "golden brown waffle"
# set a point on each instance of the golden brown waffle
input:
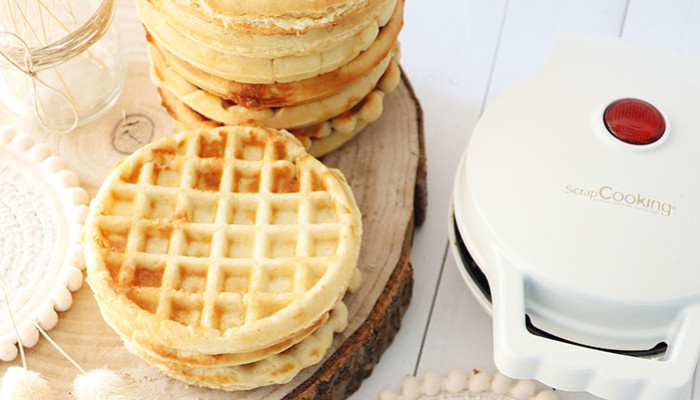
(214, 107)
(319, 139)
(276, 369)
(252, 69)
(145, 341)
(231, 41)
(185, 118)
(296, 92)
(228, 240)
(271, 17)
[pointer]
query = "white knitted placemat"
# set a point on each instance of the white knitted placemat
(458, 384)
(42, 209)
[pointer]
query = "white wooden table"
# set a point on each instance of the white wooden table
(460, 55)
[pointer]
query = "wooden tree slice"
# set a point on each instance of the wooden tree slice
(343, 372)
(385, 166)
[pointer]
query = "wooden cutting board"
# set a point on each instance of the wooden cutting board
(385, 166)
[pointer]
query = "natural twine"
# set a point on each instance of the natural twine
(31, 60)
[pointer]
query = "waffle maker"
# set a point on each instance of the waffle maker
(576, 221)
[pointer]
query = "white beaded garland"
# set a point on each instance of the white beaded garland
(8, 351)
(78, 196)
(480, 382)
(524, 390)
(388, 394)
(78, 256)
(48, 319)
(6, 134)
(28, 334)
(54, 164)
(501, 383)
(21, 143)
(62, 299)
(80, 214)
(39, 152)
(67, 178)
(456, 380)
(480, 385)
(22, 383)
(432, 383)
(410, 388)
(72, 278)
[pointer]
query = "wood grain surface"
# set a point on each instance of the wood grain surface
(383, 165)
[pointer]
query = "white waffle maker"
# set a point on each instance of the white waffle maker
(586, 244)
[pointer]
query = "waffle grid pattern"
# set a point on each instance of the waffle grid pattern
(218, 232)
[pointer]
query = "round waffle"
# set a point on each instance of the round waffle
(271, 17)
(276, 369)
(319, 139)
(185, 118)
(252, 69)
(214, 107)
(145, 341)
(296, 92)
(228, 240)
(269, 46)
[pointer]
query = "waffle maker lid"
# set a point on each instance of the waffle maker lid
(592, 238)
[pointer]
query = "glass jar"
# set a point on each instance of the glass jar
(62, 62)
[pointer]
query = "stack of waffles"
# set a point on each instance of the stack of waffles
(319, 69)
(222, 256)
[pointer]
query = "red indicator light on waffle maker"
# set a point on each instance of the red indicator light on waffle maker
(634, 121)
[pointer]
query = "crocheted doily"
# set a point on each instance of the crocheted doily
(460, 385)
(42, 209)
